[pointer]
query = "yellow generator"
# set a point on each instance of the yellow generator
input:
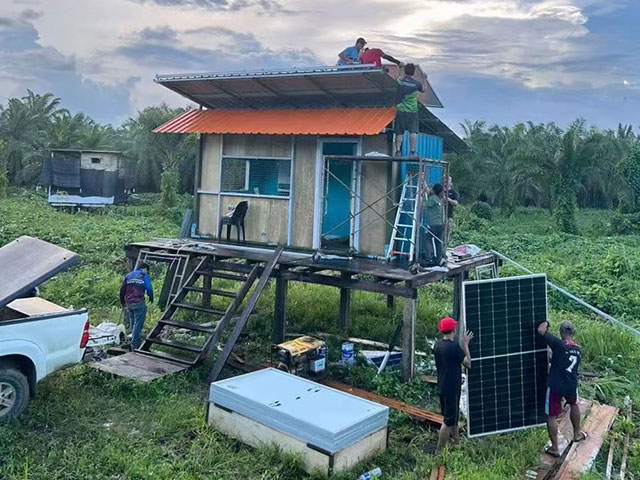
(305, 356)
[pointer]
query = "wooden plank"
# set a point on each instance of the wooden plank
(548, 464)
(280, 310)
(35, 306)
(581, 455)
(304, 179)
(351, 283)
(415, 413)
(137, 367)
(612, 447)
(345, 307)
(244, 317)
(409, 338)
(625, 448)
(257, 435)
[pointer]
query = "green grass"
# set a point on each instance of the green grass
(86, 424)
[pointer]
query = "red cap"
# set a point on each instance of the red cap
(447, 324)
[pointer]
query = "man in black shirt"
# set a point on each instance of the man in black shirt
(450, 357)
(562, 382)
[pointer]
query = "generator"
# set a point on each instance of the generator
(304, 356)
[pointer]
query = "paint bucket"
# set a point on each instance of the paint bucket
(348, 354)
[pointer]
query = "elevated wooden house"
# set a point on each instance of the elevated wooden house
(271, 138)
(309, 151)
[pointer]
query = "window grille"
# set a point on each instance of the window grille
(256, 176)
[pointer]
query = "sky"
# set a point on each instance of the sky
(501, 61)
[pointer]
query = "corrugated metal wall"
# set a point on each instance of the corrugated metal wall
(427, 146)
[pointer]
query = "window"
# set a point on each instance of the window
(256, 176)
(95, 160)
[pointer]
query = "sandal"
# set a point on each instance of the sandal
(583, 436)
(552, 452)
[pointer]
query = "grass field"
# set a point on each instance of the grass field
(85, 424)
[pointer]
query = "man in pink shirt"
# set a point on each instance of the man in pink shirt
(375, 56)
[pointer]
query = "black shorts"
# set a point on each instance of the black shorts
(450, 407)
(406, 121)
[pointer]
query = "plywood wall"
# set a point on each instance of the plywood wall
(210, 168)
(373, 186)
(269, 215)
(209, 183)
(258, 145)
(304, 190)
(208, 217)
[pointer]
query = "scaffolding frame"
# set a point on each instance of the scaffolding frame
(355, 198)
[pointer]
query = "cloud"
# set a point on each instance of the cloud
(24, 63)
(265, 6)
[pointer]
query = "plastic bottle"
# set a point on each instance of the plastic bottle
(376, 472)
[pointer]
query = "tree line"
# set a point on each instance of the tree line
(32, 125)
(527, 164)
(543, 165)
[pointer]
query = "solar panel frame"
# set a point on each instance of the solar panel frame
(531, 356)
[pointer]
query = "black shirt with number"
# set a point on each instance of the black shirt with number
(449, 356)
(565, 360)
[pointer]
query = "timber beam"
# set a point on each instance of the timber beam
(352, 284)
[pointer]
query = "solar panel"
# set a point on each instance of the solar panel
(508, 374)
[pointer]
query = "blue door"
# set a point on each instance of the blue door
(336, 211)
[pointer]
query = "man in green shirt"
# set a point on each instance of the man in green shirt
(433, 240)
(407, 109)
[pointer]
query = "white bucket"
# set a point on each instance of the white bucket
(348, 354)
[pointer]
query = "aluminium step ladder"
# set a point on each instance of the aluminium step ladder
(403, 235)
(176, 273)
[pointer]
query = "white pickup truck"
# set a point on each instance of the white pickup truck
(37, 337)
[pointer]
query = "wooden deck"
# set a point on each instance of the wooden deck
(346, 273)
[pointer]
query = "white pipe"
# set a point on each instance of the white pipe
(595, 310)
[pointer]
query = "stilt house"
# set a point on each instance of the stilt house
(271, 137)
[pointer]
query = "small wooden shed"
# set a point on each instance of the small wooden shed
(85, 178)
(265, 137)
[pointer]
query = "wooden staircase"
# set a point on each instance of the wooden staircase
(180, 344)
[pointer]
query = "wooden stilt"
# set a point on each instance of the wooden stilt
(457, 296)
(280, 309)
(390, 301)
(409, 338)
(206, 296)
(345, 307)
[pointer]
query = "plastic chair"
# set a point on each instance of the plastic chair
(234, 218)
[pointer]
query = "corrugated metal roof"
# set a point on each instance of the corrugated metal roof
(315, 87)
(330, 121)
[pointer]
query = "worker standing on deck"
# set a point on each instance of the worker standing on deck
(432, 245)
(134, 286)
(562, 382)
(374, 56)
(450, 356)
(453, 199)
(407, 109)
(351, 55)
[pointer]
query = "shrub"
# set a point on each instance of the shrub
(169, 187)
(482, 210)
(625, 223)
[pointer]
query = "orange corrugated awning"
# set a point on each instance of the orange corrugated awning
(331, 121)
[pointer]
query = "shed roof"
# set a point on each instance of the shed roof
(313, 87)
(330, 121)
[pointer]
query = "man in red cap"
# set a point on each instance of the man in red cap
(450, 357)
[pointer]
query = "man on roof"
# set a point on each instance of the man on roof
(374, 56)
(407, 109)
(562, 382)
(351, 55)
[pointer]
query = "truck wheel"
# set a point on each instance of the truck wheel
(14, 394)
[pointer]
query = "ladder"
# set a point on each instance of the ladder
(403, 235)
(202, 337)
(176, 272)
